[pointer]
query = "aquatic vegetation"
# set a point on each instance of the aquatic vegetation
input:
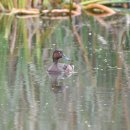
(99, 48)
(101, 61)
(55, 8)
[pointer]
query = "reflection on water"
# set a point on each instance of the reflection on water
(95, 98)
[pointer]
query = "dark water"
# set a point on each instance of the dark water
(94, 98)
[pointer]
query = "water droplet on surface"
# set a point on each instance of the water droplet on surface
(105, 60)
(90, 34)
(81, 110)
(113, 121)
(66, 86)
(85, 122)
(46, 103)
(89, 125)
(40, 22)
(96, 68)
(119, 68)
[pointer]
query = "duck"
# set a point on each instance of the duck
(60, 68)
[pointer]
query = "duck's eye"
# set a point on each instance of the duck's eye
(59, 52)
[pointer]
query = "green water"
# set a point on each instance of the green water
(95, 98)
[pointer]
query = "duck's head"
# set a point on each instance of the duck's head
(57, 54)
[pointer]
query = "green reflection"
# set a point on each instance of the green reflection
(95, 98)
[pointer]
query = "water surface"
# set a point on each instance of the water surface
(94, 98)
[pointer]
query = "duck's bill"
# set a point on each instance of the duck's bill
(65, 57)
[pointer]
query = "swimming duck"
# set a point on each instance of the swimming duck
(58, 68)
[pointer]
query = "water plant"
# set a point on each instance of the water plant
(55, 8)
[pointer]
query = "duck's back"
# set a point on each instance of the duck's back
(61, 68)
(57, 68)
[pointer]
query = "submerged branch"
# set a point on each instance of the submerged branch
(98, 10)
(24, 11)
(63, 12)
(66, 10)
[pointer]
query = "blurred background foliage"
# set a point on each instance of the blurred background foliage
(9, 4)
